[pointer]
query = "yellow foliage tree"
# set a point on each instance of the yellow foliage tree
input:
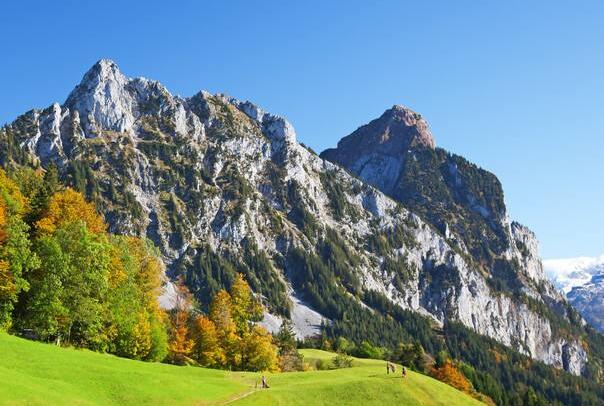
(245, 308)
(117, 273)
(142, 337)
(149, 275)
(7, 284)
(181, 345)
(222, 317)
(66, 207)
(3, 220)
(258, 351)
(206, 350)
(14, 200)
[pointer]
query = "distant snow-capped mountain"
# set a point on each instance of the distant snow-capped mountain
(582, 281)
(568, 273)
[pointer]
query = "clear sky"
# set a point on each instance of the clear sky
(516, 87)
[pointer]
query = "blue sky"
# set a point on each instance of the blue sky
(517, 88)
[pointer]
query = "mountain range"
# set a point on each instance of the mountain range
(582, 281)
(386, 237)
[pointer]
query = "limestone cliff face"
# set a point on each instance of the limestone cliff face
(221, 185)
(465, 203)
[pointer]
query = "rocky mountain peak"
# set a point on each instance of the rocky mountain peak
(102, 100)
(408, 118)
(104, 70)
(396, 131)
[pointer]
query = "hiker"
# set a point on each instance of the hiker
(388, 367)
(264, 384)
(404, 372)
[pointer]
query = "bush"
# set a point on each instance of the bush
(291, 361)
(368, 350)
(341, 360)
(322, 365)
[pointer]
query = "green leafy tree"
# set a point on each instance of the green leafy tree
(136, 324)
(68, 291)
(16, 257)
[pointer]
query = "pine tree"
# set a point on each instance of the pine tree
(286, 338)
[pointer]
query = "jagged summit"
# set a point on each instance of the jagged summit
(399, 113)
(393, 133)
(103, 70)
(376, 151)
(107, 100)
(101, 99)
(102, 75)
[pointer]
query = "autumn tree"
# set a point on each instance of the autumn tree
(37, 186)
(207, 350)
(66, 207)
(244, 307)
(14, 201)
(136, 324)
(221, 314)
(258, 353)
(450, 375)
(180, 344)
(245, 346)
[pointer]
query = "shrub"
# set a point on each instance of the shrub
(322, 365)
(341, 360)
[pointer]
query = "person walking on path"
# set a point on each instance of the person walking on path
(404, 372)
(264, 384)
(388, 367)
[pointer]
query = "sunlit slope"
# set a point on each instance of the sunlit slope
(41, 374)
(366, 383)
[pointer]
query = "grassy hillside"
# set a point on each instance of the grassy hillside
(365, 383)
(39, 374)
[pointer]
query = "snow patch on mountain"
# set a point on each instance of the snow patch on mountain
(568, 273)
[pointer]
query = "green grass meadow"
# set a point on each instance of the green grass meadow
(32, 373)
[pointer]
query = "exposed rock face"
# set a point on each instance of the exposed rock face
(222, 186)
(374, 150)
(465, 203)
(103, 100)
